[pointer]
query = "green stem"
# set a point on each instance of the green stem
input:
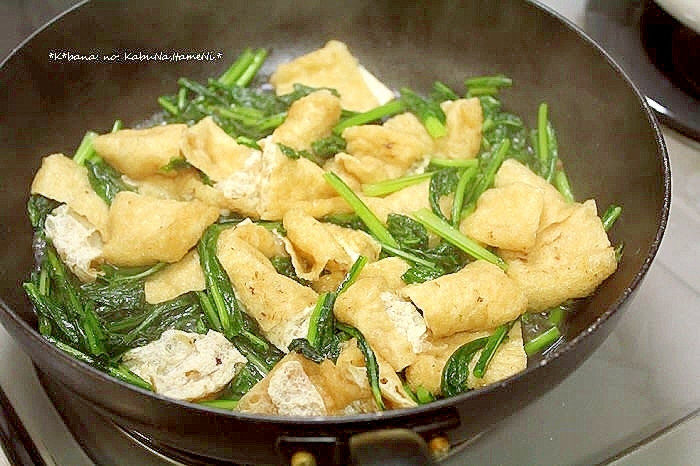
(488, 81)
(454, 163)
(610, 216)
(385, 187)
(542, 341)
(229, 405)
(85, 150)
(374, 225)
(561, 182)
(168, 106)
(458, 204)
(234, 72)
(409, 256)
(251, 70)
(453, 236)
(388, 109)
(494, 341)
(542, 140)
(370, 362)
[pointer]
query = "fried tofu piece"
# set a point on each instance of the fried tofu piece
(569, 260)
(554, 209)
(390, 269)
(297, 386)
(210, 149)
(269, 243)
(76, 240)
(309, 119)
(506, 217)
(362, 169)
(291, 388)
(279, 304)
(138, 153)
(464, 119)
(289, 183)
(346, 381)
(402, 141)
(332, 66)
(509, 359)
(63, 180)
(362, 306)
(315, 246)
(404, 201)
(480, 296)
(186, 366)
(175, 279)
(144, 230)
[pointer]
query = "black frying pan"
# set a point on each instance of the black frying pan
(608, 138)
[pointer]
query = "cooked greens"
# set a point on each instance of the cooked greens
(298, 297)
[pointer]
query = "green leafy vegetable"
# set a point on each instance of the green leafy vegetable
(442, 183)
(610, 216)
(374, 225)
(450, 234)
(427, 110)
(219, 286)
(494, 341)
(38, 208)
(105, 180)
(370, 361)
(283, 265)
(389, 186)
(455, 374)
(486, 85)
(322, 341)
(390, 108)
(85, 151)
(326, 148)
(543, 341)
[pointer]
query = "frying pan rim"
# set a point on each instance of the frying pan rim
(348, 420)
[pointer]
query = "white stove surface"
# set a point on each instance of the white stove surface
(635, 401)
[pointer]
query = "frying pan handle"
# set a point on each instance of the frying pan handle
(390, 447)
(385, 447)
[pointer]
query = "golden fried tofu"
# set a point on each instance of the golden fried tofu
(332, 66)
(309, 119)
(569, 260)
(262, 239)
(272, 299)
(480, 296)
(138, 153)
(506, 217)
(463, 121)
(405, 201)
(63, 180)
(210, 149)
(509, 359)
(315, 246)
(143, 230)
(402, 141)
(292, 388)
(388, 331)
(554, 209)
(287, 183)
(175, 279)
(361, 169)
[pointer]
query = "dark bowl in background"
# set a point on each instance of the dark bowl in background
(608, 138)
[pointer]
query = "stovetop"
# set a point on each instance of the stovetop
(635, 401)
